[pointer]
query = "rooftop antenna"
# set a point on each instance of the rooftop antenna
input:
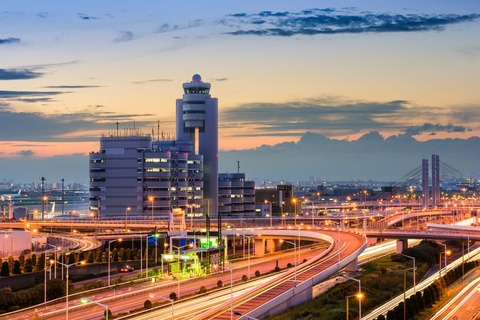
(158, 130)
(238, 166)
(117, 128)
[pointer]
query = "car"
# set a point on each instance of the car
(126, 269)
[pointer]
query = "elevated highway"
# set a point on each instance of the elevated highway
(296, 285)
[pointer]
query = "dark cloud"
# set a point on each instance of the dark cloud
(220, 79)
(18, 74)
(9, 41)
(313, 115)
(152, 80)
(73, 87)
(336, 117)
(25, 153)
(330, 21)
(371, 157)
(20, 94)
(430, 127)
(15, 126)
(35, 100)
(86, 17)
(125, 36)
(166, 27)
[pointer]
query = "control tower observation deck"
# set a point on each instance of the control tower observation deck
(197, 121)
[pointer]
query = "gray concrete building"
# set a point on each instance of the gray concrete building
(131, 176)
(236, 195)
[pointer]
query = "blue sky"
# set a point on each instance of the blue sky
(285, 73)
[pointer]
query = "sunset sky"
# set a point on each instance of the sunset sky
(341, 69)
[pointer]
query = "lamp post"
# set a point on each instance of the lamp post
(66, 284)
(86, 300)
(178, 261)
(295, 256)
(45, 269)
(151, 295)
(126, 210)
(151, 200)
(269, 212)
(294, 200)
(146, 255)
(359, 295)
(414, 283)
(405, 291)
(446, 252)
(109, 257)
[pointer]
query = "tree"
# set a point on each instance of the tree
(115, 254)
(21, 259)
(34, 259)
(28, 265)
(90, 257)
(99, 256)
(40, 262)
(5, 269)
(16, 267)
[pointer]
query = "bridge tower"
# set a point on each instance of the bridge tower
(435, 180)
(425, 190)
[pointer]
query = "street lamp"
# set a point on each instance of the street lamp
(151, 200)
(151, 295)
(86, 300)
(109, 256)
(294, 200)
(178, 262)
(446, 253)
(295, 255)
(269, 212)
(359, 295)
(146, 252)
(414, 283)
(66, 284)
(126, 210)
(405, 291)
(45, 269)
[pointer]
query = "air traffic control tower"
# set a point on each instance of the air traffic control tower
(197, 121)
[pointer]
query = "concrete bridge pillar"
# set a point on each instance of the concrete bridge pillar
(259, 246)
(271, 245)
(365, 221)
(402, 244)
(352, 266)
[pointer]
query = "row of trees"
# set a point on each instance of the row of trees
(417, 303)
(37, 263)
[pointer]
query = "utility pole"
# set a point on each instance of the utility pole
(43, 196)
(63, 194)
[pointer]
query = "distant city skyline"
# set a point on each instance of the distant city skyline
(334, 90)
